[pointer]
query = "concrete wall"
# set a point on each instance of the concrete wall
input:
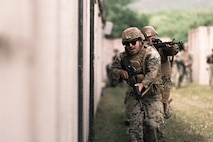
(200, 42)
(39, 70)
(107, 53)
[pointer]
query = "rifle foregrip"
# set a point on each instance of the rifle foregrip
(136, 89)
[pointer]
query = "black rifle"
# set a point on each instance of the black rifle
(159, 44)
(132, 80)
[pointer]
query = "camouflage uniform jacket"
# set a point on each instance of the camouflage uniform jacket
(165, 54)
(147, 63)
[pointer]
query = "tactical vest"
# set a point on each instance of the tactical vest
(138, 61)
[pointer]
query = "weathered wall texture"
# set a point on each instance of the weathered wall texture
(39, 49)
(200, 42)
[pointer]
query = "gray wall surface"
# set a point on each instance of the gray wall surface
(200, 42)
(39, 54)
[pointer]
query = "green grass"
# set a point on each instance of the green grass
(192, 119)
(110, 117)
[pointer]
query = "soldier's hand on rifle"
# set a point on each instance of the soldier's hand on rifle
(172, 49)
(124, 74)
(140, 86)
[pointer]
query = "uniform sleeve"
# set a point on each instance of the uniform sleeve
(171, 51)
(116, 67)
(153, 67)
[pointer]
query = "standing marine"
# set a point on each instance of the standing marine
(167, 54)
(187, 60)
(145, 113)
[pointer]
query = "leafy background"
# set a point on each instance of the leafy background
(171, 19)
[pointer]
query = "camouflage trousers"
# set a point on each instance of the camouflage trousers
(165, 91)
(147, 125)
(167, 84)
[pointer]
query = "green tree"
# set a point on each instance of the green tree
(177, 24)
(123, 17)
(173, 23)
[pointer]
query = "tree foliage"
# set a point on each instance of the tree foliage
(172, 24)
(123, 17)
(177, 24)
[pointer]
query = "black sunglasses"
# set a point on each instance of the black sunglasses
(133, 42)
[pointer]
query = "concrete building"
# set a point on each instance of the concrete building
(50, 69)
(200, 42)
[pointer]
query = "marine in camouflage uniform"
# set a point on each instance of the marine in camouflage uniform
(144, 125)
(187, 60)
(177, 70)
(167, 54)
(209, 61)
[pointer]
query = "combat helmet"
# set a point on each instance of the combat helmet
(131, 34)
(149, 31)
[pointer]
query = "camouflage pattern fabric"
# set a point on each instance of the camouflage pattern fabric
(131, 33)
(148, 125)
(144, 125)
(166, 70)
